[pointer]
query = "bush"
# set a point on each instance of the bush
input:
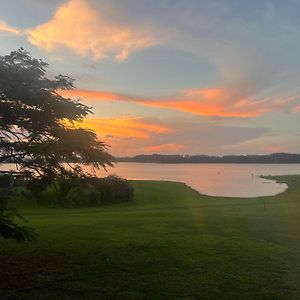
(116, 189)
(82, 196)
(85, 191)
(37, 186)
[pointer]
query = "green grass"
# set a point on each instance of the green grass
(170, 243)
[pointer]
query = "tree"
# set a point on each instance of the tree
(39, 129)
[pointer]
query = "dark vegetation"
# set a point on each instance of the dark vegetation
(41, 132)
(9, 227)
(82, 192)
(275, 158)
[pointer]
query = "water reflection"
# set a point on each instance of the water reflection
(232, 180)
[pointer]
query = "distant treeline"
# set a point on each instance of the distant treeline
(275, 158)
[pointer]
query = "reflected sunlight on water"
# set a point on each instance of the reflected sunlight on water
(232, 180)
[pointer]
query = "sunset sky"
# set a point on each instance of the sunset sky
(172, 76)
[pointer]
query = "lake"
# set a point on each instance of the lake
(232, 180)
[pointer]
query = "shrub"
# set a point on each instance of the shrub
(116, 189)
(82, 196)
(85, 191)
(38, 185)
(112, 188)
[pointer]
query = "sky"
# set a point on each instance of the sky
(172, 76)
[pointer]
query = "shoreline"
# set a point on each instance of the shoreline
(269, 177)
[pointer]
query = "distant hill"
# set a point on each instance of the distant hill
(275, 158)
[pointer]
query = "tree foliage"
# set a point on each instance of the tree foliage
(10, 229)
(40, 130)
(38, 127)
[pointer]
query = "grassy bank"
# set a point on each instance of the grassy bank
(170, 243)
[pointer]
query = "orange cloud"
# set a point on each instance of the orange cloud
(130, 135)
(76, 26)
(4, 27)
(209, 102)
(244, 108)
(125, 127)
(169, 148)
(197, 108)
(224, 102)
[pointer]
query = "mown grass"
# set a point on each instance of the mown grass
(169, 243)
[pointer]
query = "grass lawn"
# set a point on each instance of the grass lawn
(170, 243)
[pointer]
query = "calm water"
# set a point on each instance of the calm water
(233, 180)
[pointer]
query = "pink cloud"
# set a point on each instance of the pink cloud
(219, 101)
(76, 26)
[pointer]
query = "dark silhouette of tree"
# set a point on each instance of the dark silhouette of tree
(39, 128)
(37, 125)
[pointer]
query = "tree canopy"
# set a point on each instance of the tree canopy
(38, 127)
(40, 130)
